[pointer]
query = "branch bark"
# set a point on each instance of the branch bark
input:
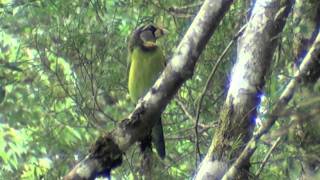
(310, 60)
(107, 152)
(236, 122)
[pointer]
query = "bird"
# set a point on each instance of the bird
(146, 61)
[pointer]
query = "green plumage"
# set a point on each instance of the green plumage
(146, 62)
(144, 70)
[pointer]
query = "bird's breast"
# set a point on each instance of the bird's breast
(144, 70)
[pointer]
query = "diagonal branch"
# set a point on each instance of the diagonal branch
(205, 89)
(266, 158)
(255, 50)
(308, 62)
(107, 152)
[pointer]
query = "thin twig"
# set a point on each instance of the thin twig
(309, 60)
(266, 158)
(204, 90)
(185, 110)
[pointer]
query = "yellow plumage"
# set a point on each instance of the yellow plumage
(145, 68)
(146, 62)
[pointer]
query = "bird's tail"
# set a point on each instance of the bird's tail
(158, 138)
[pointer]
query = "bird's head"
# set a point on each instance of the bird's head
(146, 36)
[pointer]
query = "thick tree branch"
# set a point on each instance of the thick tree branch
(205, 89)
(310, 60)
(255, 50)
(107, 151)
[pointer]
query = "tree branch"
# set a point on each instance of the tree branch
(255, 50)
(311, 59)
(266, 158)
(107, 152)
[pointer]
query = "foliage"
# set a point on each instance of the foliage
(63, 82)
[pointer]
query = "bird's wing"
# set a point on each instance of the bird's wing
(128, 64)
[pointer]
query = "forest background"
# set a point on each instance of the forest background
(63, 83)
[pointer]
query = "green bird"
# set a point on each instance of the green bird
(146, 62)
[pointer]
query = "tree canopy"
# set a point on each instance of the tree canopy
(63, 84)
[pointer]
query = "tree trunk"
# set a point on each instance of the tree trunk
(237, 118)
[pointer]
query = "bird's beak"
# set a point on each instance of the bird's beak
(150, 44)
(160, 32)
